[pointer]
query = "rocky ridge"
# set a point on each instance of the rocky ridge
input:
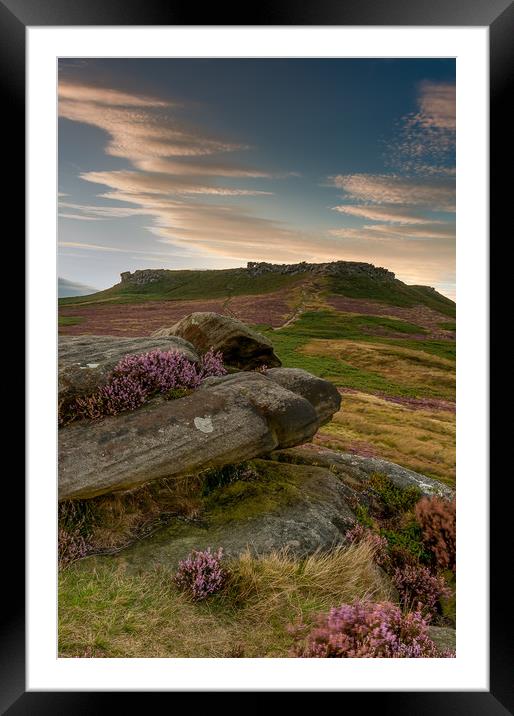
(143, 277)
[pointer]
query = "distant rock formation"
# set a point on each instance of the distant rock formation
(331, 268)
(142, 277)
(257, 268)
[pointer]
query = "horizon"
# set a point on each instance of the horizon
(208, 164)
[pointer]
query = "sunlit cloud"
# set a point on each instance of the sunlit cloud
(87, 247)
(401, 231)
(425, 139)
(436, 194)
(78, 217)
(82, 93)
(190, 187)
(139, 127)
(437, 105)
(192, 168)
(136, 182)
(393, 214)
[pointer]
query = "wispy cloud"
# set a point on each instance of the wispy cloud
(425, 140)
(402, 204)
(390, 213)
(152, 183)
(437, 105)
(87, 247)
(436, 194)
(426, 230)
(139, 127)
(77, 217)
(190, 185)
(196, 168)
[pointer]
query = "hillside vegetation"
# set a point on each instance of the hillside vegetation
(390, 351)
(389, 347)
(225, 283)
(189, 285)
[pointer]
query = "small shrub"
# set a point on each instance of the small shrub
(394, 499)
(201, 573)
(419, 588)
(437, 519)
(362, 514)
(359, 533)
(406, 544)
(368, 630)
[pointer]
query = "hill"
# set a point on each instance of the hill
(346, 278)
(387, 346)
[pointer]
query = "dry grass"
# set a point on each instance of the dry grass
(111, 522)
(421, 440)
(278, 583)
(431, 374)
(106, 612)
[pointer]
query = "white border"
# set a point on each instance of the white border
(469, 671)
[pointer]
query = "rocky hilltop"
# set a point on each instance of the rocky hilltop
(331, 268)
(143, 277)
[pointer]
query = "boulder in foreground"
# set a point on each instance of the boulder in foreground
(242, 347)
(227, 420)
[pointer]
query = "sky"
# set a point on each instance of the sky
(210, 163)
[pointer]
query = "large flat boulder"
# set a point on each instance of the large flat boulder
(85, 362)
(300, 508)
(242, 347)
(227, 420)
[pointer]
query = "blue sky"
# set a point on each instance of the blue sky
(167, 163)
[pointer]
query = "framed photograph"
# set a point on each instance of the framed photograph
(252, 248)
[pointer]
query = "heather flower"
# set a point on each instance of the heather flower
(136, 378)
(211, 364)
(369, 630)
(359, 533)
(417, 585)
(201, 573)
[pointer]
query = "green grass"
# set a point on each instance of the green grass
(335, 325)
(104, 611)
(332, 326)
(70, 320)
(441, 349)
(190, 285)
(395, 293)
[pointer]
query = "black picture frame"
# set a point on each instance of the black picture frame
(498, 15)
